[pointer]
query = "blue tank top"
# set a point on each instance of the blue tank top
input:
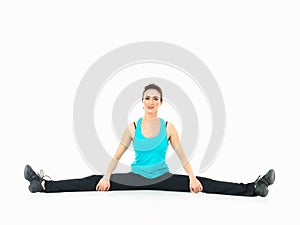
(150, 153)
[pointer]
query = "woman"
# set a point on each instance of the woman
(151, 136)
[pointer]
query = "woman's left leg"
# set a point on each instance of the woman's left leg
(177, 182)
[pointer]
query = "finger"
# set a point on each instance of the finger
(103, 188)
(100, 187)
(192, 190)
(201, 188)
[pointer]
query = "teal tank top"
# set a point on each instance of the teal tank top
(150, 153)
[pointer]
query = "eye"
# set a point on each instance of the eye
(156, 99)
(147, 98)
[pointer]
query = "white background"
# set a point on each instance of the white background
(251, 47)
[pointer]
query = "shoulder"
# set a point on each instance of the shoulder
(171, 130)
(170, 127)
(131, 127)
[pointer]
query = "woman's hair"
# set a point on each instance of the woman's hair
(155, 87)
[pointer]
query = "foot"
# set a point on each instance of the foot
(34, 179)
(262, 183)
(29, 174)
(261, 189)
(35, 186)
(269, 177)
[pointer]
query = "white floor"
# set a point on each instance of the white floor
(145, 207)
(150, 207)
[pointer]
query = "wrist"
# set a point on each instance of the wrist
(105, 178)
(192, 177)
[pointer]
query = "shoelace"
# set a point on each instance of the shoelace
(257, 179)
(42, 175)
(262, 180)
(255, 182)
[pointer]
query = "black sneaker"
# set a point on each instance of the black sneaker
(35, 179)
(269, 177)
(262, 183)
(261, 189)
(35, 186)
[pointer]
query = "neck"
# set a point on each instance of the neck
(149, 117)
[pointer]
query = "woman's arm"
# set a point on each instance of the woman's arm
(104, 184)
(195, 184)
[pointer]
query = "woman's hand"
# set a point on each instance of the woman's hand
(195, 185)
(103, 184)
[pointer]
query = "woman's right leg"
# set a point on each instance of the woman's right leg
(118, 182)
(39, 184)
(84, 184)
(121, 181)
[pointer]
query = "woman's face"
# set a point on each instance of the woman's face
(151, 100)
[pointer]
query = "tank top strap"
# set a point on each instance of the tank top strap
(135, 124)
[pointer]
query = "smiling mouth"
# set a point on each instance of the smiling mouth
(150, 107)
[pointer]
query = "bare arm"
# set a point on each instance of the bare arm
(195, 184)
(104, 184)
(176, 145)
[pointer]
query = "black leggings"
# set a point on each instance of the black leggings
(167, 182)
